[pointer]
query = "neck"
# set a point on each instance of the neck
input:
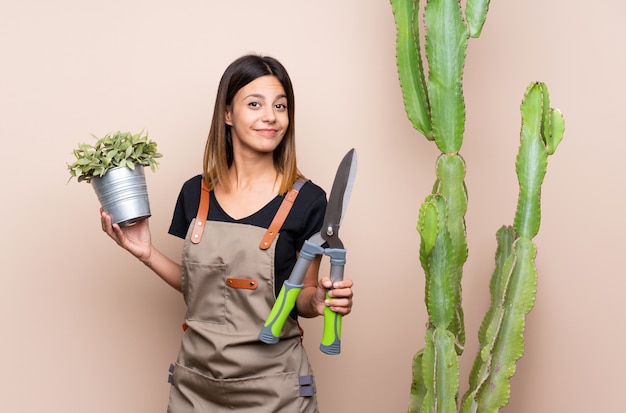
(259, 173)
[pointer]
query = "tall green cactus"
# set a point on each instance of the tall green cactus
(436, 108)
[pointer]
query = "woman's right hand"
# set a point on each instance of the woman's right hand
(136, 238)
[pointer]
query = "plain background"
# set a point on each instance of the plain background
(86, 328)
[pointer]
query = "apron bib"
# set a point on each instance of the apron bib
(228, 286)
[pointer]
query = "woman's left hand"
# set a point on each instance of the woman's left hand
(339, 297)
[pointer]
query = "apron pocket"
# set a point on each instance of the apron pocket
(205, 292)
(193, 391)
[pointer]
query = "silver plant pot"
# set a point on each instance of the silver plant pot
(123, 194)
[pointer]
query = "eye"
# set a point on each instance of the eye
(281, 106)
(254, 104)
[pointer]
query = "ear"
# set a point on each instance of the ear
(228, 114)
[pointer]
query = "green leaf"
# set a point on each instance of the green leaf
(124, 145)
(111, 154)
(139, 150)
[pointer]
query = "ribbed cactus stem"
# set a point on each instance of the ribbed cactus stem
(436, 368)
(475, 14)
(514, 280)
(451, 185)
(440, 371)
(446, 42)
(531, 164)
(410, 66)
(437, 263)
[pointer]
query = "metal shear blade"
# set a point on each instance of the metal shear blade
(338, 199)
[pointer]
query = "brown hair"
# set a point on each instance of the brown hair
(218, 153)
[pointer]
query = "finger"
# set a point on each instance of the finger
(340, 306)
(343, 284)
(325, 283)
(117, 230)
(340, 292)
(341, 288)
(105, 221)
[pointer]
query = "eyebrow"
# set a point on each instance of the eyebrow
(260, 96)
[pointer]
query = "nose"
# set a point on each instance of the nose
(268, 114)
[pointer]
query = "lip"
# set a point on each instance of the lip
(267, 131)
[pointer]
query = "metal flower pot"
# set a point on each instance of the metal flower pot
(123, 194)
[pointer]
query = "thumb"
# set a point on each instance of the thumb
(322, 287)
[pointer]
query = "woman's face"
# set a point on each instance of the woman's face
(258, 116)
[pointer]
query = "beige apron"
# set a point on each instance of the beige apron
(228, 285)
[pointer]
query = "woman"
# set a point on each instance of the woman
(235, 260)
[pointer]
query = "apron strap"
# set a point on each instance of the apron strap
(203, 213)
(272, 231)
(281, 215)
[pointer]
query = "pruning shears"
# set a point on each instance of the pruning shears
(325, 242)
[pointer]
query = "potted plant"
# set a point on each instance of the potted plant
(114, 165)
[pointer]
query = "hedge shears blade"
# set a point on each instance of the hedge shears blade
(314, 246)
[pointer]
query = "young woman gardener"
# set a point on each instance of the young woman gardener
(233, 266)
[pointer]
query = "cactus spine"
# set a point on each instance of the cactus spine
(436, 108)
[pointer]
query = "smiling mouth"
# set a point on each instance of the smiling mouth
(267, 131)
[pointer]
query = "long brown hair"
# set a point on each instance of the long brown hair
(218, 153)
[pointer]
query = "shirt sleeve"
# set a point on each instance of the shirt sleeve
(313, 217)
(186, 207)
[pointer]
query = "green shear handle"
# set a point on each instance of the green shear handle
(286, 300)
(331, 337)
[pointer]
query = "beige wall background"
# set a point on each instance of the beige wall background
(86, 328)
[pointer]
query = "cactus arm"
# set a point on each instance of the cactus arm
(514, 281)
(509, 343)
(439, 298)
(505, 261)
(440, 371)
(410, 66)
(418, 390)
(428, 225)
(446, 42)
(531, 163)
(475, 14)
(554, 133)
